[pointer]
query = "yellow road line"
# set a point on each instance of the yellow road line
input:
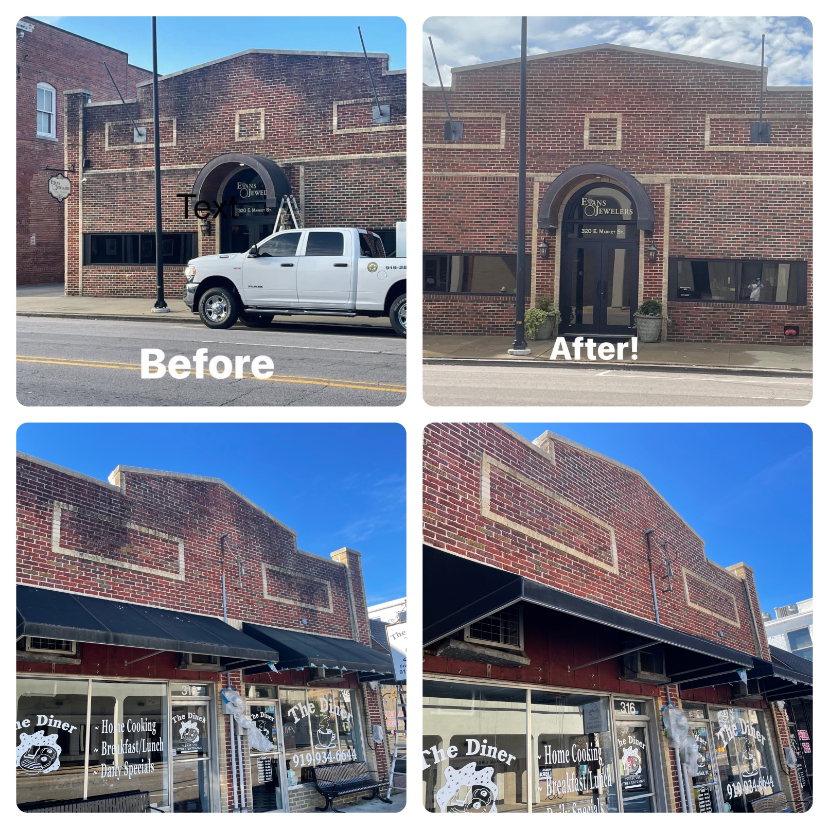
(276, 378)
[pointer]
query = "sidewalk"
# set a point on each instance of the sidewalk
(49, 301)
(398, 802)
(720, 357)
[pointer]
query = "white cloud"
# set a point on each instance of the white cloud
(464, 41)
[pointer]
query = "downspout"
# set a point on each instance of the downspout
(680, 776)
(232, 729)
(648, 534)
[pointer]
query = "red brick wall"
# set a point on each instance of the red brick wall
(341, 177)
(741, 203)
(453, 521)
(140, 522)
(51, 55)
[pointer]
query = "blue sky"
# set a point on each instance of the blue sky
(746, 488)
(337, 485)
(463, 41)
(188, 41)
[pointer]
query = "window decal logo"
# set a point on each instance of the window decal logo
(468, 790)
(38, 754)
(189, 734)
(326, 738)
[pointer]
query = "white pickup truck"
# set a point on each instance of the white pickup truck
(332, 271)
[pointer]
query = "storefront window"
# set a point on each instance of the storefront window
(484, 273)
(51, 739)
(319, 728)
(128, 740)
(703, 797)
(744, 757)
(728, 280)
(634, 768)
(574, 754)
(191, 738)
(474, 748)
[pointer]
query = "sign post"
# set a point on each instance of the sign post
(160, 306)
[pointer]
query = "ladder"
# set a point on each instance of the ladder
(288, 210)
(399, 739)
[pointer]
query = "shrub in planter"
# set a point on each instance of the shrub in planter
(541, 322)
(648, 319)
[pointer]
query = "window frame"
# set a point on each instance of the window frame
(467, 636)
(799, 269)
(47, 87)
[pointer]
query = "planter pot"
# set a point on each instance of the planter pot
(648, 329)
(546, 330)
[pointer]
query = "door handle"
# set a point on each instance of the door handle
(286, 264)
(341, 264)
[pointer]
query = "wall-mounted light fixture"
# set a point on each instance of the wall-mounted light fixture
(205, 227)
(653, 253)
(544, 249)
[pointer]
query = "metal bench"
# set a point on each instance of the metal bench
(123, 802)
(341, 779)
(769, 804)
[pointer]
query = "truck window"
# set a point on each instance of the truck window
(371, 246)
(282, 245)
(324, 243)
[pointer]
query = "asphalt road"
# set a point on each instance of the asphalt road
(63, 362)
(464, 385)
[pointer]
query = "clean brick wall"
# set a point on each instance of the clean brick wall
(452, 521)
(66, 61)
(197, 512)
(348, 178)
(743, 203)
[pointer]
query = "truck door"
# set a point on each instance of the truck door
(325, 270)
(270, 278)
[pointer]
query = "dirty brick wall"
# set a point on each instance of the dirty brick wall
(152, 538)
(680, 126)
(65, 62)
(310, 113)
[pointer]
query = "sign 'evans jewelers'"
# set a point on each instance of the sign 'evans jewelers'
(598, 208)
(60, 187)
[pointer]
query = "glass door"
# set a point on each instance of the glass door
(192, 740)
(267, 767)
(635, 779)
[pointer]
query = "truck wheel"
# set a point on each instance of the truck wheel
(256, 320)
(397, 315)
(218, 308)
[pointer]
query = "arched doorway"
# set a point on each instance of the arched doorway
(599, 284)
(250, 220)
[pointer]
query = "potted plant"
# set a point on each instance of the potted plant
(541, 321)
(649, 318)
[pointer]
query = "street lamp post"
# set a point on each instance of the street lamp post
(160, 306)
(519, 347)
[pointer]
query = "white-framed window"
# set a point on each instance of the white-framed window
(504, 629)
(46, 110)
(800, 642)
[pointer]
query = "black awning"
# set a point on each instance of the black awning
(791, 666)
(55, 615)
(303, 650)
(786, 676)
(458, 592)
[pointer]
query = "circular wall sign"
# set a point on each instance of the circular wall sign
(59, 187)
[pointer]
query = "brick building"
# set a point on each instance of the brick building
(566, 605)
(122, 648)
(51, 61)
(254, 126)
(642, 183)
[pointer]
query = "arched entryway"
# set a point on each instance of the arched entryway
(600, 212)
(599, 273)
(256, 183)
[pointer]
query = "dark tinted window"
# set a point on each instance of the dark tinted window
(324, 243)
(734, 280)
(470, 274)
(283, 245)
(137, 248)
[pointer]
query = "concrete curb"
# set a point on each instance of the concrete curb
(667, 367)
(194, 320)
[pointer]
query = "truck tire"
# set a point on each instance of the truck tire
(256, 320)
(218, 307)
(397, 315)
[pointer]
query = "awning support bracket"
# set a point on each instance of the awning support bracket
(614, 655)
(147, 656)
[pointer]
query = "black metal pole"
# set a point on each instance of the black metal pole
(519, 347)
(160, 306)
